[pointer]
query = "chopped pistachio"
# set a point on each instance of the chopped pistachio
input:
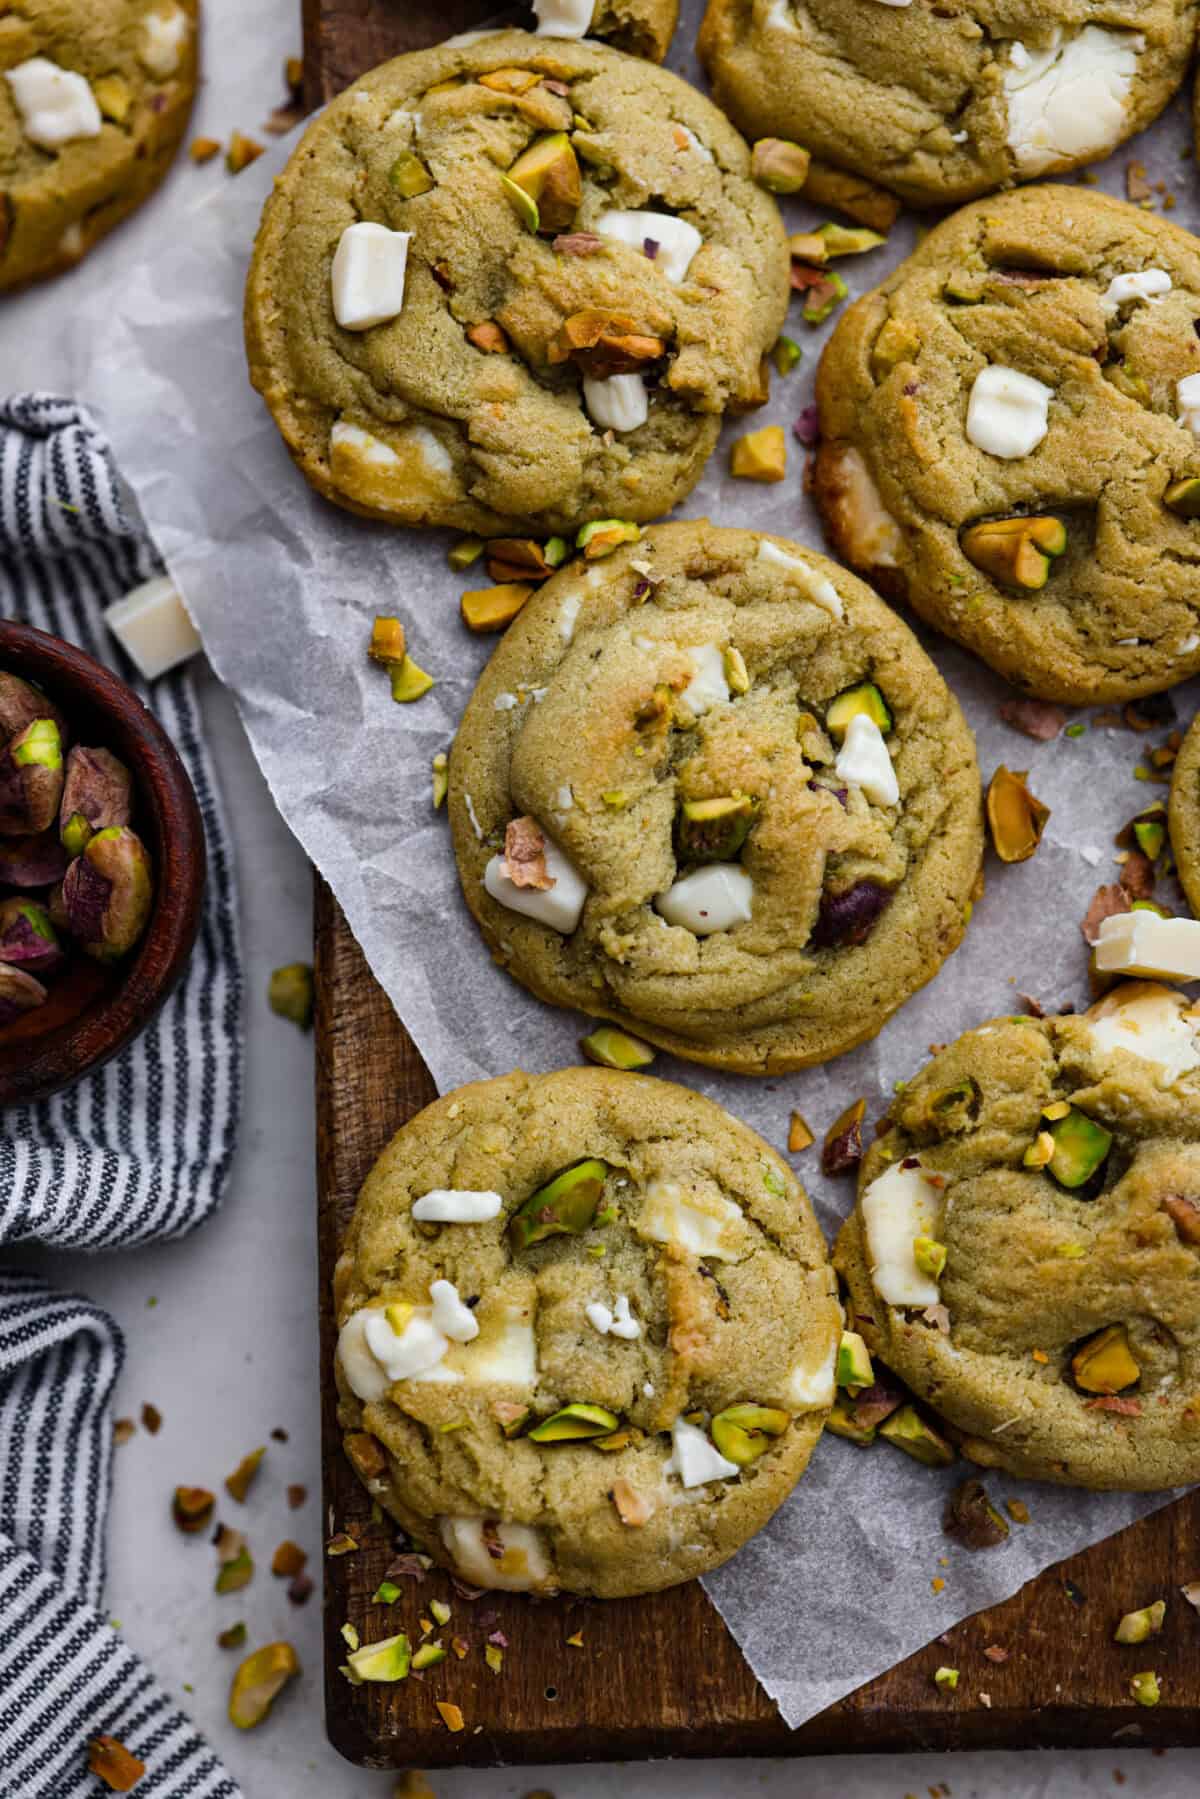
(112, 1763)
(841, 1151)
(548, 176)
(235, 1574)
(493, 608)
(736, 674)
(742, 1433)
(615, 798)
(409, 682)
(387, 642)
(1017, 1510)
(242, 152)
(428, 1656)
(290, 993)
(909, 1432)
(786, 354)
(574, 1423)
(799, 1135)
(853, 1368)
(930, 1256)
(946, 1678)
(1135, 1627)
(822, 296)
(1058, 1108)
(1080, 1148)
(556, 550)
(238, 1484)
(349, 1634)
(604, 535)
(288, 1559)
(1182, 497)
(616, 1049)
(386, 1661)
(1015, 816)
(440, 1610)
(113, 98)
(522, 203)
(1105, 1363)
(451, 1716)
(971, 1518)
(233, 1638)
(462, 554)
(441, 778)
(203, 149)
(809, 246)
(493, 1655)
(192, 1507)
(259, 1681)
(1017, 552)
(567, 1204)
(1145, 1688)
(841, 240)
(341, 1544)
(760, 455)
(409, 176)
(386, 1593)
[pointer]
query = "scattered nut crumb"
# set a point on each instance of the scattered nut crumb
(151, 1419)
(242, 152)
(296, 1495)
(238, 1484)
(123, 1429)
(116, 1767)
(1106, 902)
(203, 149)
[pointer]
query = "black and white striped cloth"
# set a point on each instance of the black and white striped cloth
(138, 1152)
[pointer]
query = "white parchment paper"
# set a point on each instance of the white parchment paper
(284, 586)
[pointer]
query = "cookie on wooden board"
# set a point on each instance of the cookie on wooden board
(1009, 441)
(587, 1332)
(94, 99)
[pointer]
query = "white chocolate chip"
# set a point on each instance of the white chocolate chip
(1187, 393)
(521, 1566)
(1007, 414)
(780, 17)
(1143, 943)
(709, 899)
(677, 241)
(897, 1207)
(450, 1316)
(619, 1322)
(815, 586)
(1068, 101)
(373, 1355)
(164, 33)
(563, 18)
(1148, 1021)
(559, 906)
(705, 1224)
(617, 403)
(367, 276)
(863, 761)
(452, 1205)
(56, 105)
(808, 1389)
(152, 626)
(1141, 284)
(708, 686)
(695, 144)
(869, 532)
(694, 1459)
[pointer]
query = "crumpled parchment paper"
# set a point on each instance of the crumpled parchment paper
(284, 587)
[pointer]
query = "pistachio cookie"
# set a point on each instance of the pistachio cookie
(587, 1332)
(941, 103)
(642, 27)
(1009, 441)
(1024, 1250)
(94, 98)
(1184, 815)
(713, 789)
(513, 284)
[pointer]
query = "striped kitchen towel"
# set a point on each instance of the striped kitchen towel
(135, 1153)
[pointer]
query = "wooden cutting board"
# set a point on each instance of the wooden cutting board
(662, 1676)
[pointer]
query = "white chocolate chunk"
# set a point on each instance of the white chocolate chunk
(677, 240)
(522, 1566)
(373, 1355)
(1141, 284)
(452, 1205)
(810, 1388)
(56, 105)
(563, 18)
(505, 1350)
(1143, 943)
(617, 403)
(780, 17)
(815, 586)
(568, 614)
(1187, 393)
(164, 33)
(1068, 101)
(871, 535)
(897, 1207)
(560, 906)
(450, 1316)
(1007, 414)
(1149, 1021)
(598, 1316)
(152, 626)
(694, 143)
(709, 899)
(367, 275)
(403, 476)
(619, 1322)
(708, 686)
(864, 761)
(706, 1224)
(896, 2)
(694, 1459)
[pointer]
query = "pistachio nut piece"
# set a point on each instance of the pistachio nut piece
(31, 779)
(548, 174)
(760, 455)
(565, 1206)
(21, 703)
(19, 993)
(409, 681)
(236, 1573)
(97, 792)
(604, 535)
(850, 916)
(259, 1681)
(616, 1049)
(192, 1508)
(574, 1423)
(909, 1432)
(1015, 816)
(1183, 497)
(290, 993)
(110, 1761)
(786, 354)
(1105, 1364)
(842, 1149)
(28, 939)
(387, 644)
(32, 861)
(842, 1422)
(493, 608)
(108, 892)
(854, 1362)
(971, 1518)
(930, 1256)
(713, 830)
(743, 1432)
(843, 240)
(1145, 1688)
(1017, 552)
(409, 176)
(779, 165)
(865, 701)
(1136, 1627)
(387, 1660)
(1080, 1147)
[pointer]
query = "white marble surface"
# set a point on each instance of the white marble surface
(220, 1328)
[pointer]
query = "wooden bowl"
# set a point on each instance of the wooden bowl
(94, 1009)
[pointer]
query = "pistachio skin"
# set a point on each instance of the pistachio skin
(97, 793)
(31, 779)
(108, 892)
(38, 861)
(28, 939)
(21, 703)
(19, 993)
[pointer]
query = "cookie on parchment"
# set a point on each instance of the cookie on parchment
(942, 103)
(1009, 441)
(512, 285)
(712, 788)
(538, 1416)
(1051, 1170)
(94, 99)
(1183, 812)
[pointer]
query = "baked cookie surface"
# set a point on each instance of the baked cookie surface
(713, 789)
(94, 99)
(942, 103)
(710, 1319)
(1009, 441)
(1057, 1162)
(583, 279)
(1183, 812)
